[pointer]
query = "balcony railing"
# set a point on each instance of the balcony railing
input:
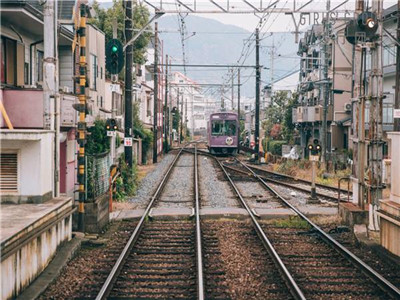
(24, 108)
(303, 114)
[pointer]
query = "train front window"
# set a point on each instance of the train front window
(230, 127)
(217, 128)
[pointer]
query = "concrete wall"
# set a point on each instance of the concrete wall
(20, 268)
(35, 163)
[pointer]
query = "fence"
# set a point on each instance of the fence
(98, 173)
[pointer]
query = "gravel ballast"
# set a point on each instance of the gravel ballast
(149, 183)
(178, 192)
(214, 192)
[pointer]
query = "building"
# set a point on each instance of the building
(309, 114)
(29, 146)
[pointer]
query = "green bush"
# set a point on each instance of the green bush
(127, 183)
(275, 147)
(97, 140)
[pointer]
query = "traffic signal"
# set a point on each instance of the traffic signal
(314, 148)
(114, 56)
(363, 29)
(111, 125)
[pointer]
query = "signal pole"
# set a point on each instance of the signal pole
(238, 95)
(155, 117)
(375, 132)
(324, 138)
(82, 122)
(166, 109)
(258, 79)
(128, 81)
(397, 88)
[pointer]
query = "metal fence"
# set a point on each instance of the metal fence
(98, 173)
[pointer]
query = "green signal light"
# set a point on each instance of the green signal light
(114, 49)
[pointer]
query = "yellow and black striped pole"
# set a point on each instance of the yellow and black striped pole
(82, 117)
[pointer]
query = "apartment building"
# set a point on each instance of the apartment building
(309, 114)
(39, 160)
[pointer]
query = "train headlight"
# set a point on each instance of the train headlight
(229, 140)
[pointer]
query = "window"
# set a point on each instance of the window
(230, 127)
(217, 128)
(39, 66)
(94, 71)
(227, 127)
(26, 73)
(12, 62)
(101, 73)
(101, 101)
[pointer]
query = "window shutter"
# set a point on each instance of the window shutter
(10, 63)
(8, 172)
(20, 64)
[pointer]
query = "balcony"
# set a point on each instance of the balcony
(24, 107)
(304, 114)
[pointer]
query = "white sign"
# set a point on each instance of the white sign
(396, 113)
(111, 133)
(115, 88)
(128, 142)
(314, 158)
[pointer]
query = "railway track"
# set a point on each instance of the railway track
(300, 184)
(312, 263)
(162, 259)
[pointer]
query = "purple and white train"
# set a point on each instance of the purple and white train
(223, 133)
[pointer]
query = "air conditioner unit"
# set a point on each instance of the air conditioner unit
(347, 107)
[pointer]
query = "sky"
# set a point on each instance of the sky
(276, 22)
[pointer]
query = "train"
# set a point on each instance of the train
(223, 133)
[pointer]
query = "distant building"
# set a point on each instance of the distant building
(309, 114)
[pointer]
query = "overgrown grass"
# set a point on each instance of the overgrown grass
(292, 222)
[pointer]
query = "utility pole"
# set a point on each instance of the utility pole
(397, 88)
(375, 132)
(324, 139)
(166, 110)
(51, 105)
(155, 117)
(232, 90)
(359, 119)
(82, 116)
(258, 79)
(181, 135)
(238, 94)
(128, 81)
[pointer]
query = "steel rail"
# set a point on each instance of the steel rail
(200, 280)
(293, 186)
(382, 282)
(322, 186)
(290, 282)
(108, 284)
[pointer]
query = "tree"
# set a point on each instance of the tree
(104, 21)
(278, 117)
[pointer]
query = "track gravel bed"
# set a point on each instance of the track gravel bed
(150, 182)
(162, 263)
(245, 269)
(179, 190)
(214, 188)
(319, 270)
(84, 274)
